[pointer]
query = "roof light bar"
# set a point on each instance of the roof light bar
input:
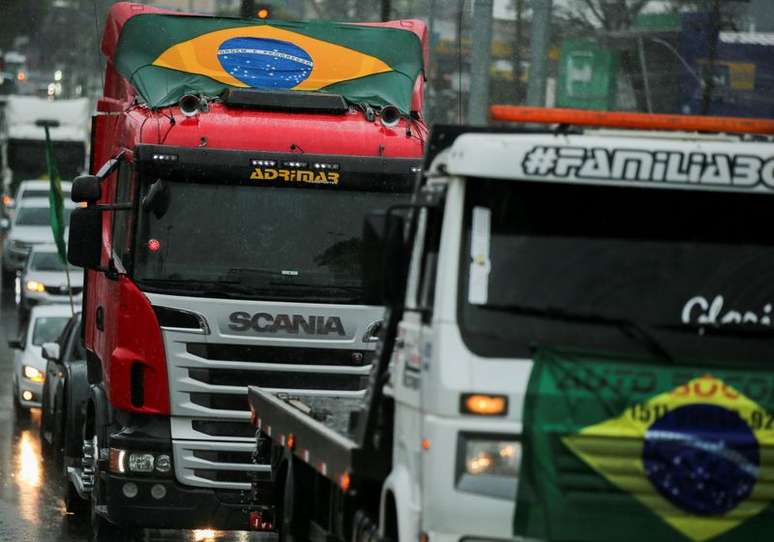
(264, 163)
(326, 165)
(165, 157)
(634, 121)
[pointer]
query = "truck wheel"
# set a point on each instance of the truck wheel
(76, 508)
(295, 509)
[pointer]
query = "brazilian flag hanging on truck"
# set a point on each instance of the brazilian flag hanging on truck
(620, 450)
(167, 56)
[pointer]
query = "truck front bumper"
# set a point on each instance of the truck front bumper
(180, 507)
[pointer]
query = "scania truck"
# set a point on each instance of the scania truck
(233, 161)
(578, 347)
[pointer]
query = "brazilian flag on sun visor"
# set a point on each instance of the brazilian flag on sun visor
(630, 450)
(167, 56)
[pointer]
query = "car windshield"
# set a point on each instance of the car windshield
(47, 329)
(570, 264)
(273, 242)
(47, 261)
(38, 216)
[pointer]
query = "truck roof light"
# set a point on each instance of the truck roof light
(484, 405)
(264, 163)
(326, 165)
(291, 442)
(294, 164)
(165, 157)
(425, 443)
(633, 121)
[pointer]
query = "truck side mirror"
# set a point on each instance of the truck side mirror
(50, 351)
(5, 224)
(86, 188)
(84, 246)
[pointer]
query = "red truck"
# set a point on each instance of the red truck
(233, 162)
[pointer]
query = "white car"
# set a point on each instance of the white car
(31, 226)
(45, 325)
(44, 281)
(34, 188)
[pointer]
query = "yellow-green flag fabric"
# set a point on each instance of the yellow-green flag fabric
(55, 199)
(632, 450)
(167, 56)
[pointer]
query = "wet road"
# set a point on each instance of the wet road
(31, 508)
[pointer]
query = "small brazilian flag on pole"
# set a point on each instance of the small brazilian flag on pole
(629, 450)
(56, 203)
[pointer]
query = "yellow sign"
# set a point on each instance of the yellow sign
(295, 176)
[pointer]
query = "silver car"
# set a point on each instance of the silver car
(43, 281)
(32, 226)
(45, 325)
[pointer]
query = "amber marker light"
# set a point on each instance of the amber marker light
(484, 405)
(263, 13)
(345, 481)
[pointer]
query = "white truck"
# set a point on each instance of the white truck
(22, 139)
(539, 264)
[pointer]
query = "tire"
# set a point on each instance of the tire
(77, 509)
(45, 445)
(8, 277)
(21, 413)
(294, 511)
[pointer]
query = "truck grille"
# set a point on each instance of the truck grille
(274, 379)
(279, 355)
(209, 371)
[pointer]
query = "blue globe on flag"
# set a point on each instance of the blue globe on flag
(265, 63)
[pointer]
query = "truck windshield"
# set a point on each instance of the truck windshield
(581, 266)
(269, 243)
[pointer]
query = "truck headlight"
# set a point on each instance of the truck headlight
(33, 374)
(35, 286)
(489, 465)
(133, 462)
(495, 457)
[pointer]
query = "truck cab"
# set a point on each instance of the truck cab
(221, 233)
(581, 328)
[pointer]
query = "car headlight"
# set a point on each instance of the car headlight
(489, 465)
(35, 286)
(33, 374)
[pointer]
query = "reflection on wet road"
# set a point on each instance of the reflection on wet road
(31, 508)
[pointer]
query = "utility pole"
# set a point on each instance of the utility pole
(386, 10)
(248, 8)
(540, 37)
(480, 62)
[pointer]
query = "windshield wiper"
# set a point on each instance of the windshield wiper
(630, 328)
(228, 288)
(719, 330)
